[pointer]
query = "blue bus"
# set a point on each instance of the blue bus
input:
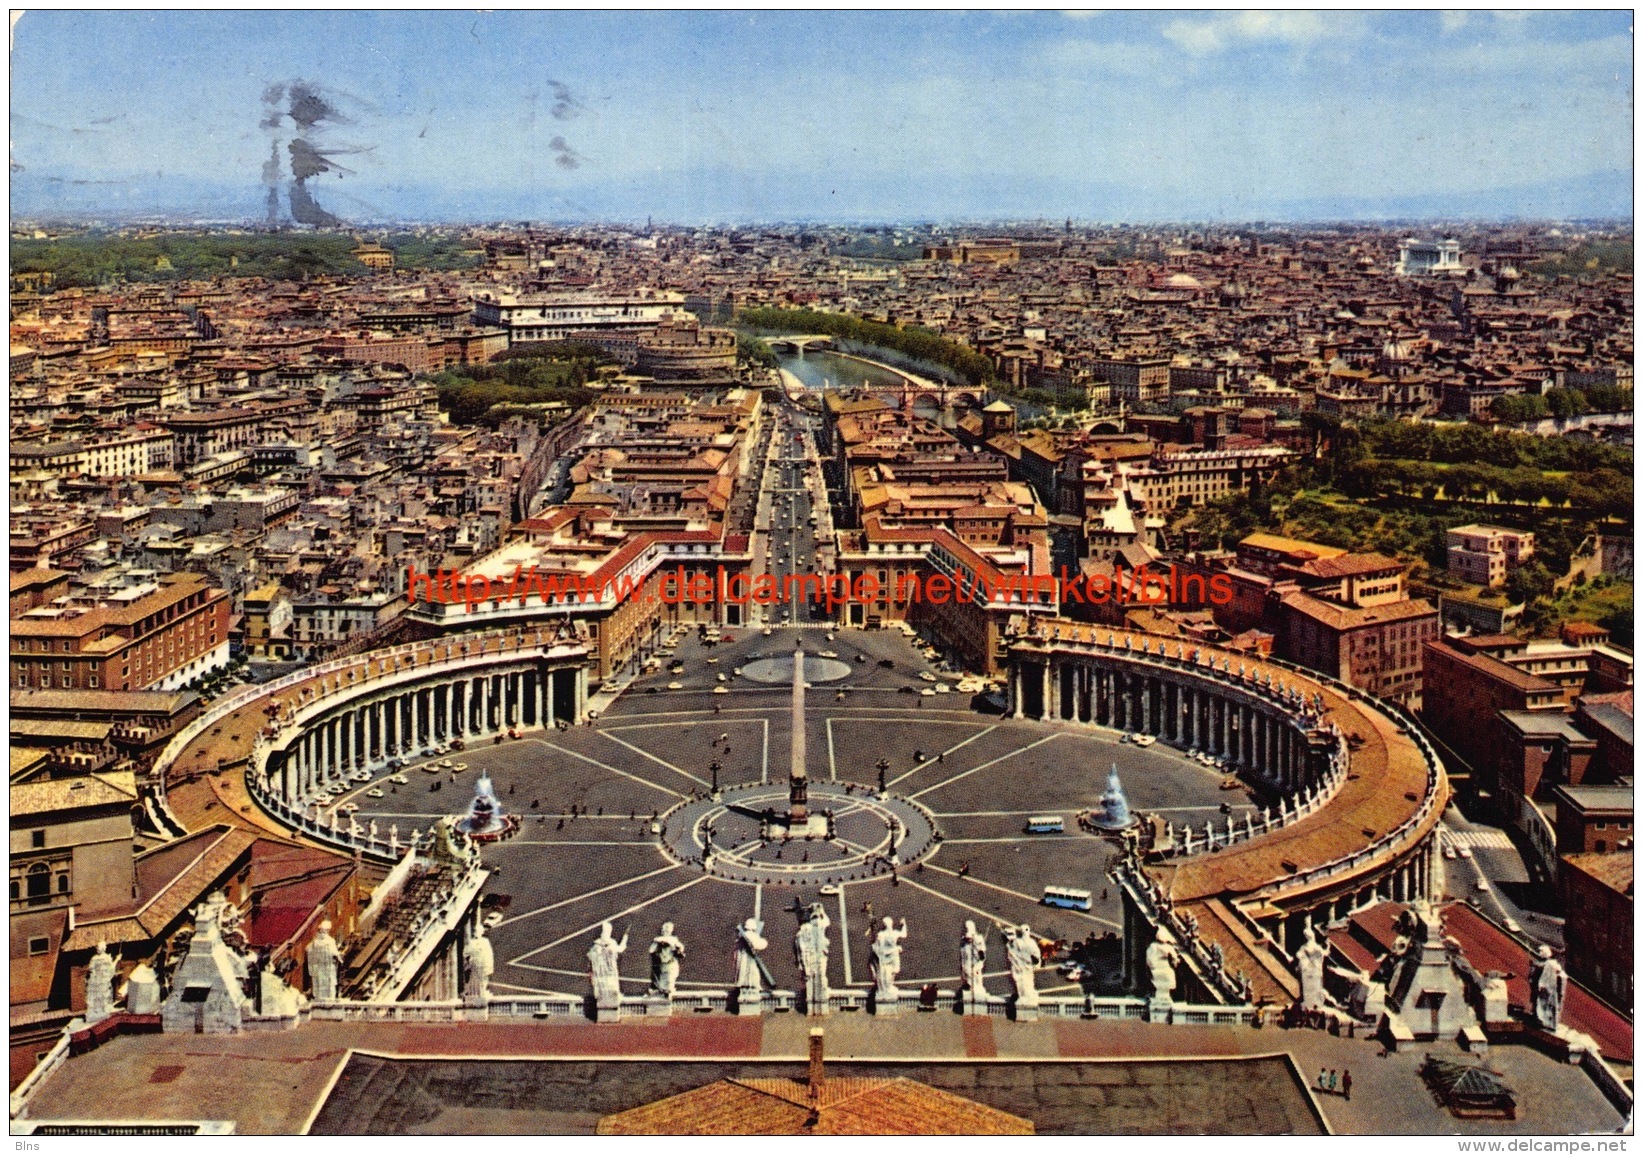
(1066, 897)
(1045, 824)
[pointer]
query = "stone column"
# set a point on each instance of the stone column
(1046, 701)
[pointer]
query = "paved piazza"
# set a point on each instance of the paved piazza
(590, 796)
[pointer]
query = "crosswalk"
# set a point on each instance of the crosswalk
(1480, 839)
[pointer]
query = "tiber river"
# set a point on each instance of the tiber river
(821, 370)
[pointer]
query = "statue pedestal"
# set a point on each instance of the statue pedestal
(607, 1012)
(1026, 1012)
(1158, 1010)
(971, 1003)
(749, 1002)
(887, 1005)
(658, 1006)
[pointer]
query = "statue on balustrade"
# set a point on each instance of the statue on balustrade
(324, 960)
(666, 953)
(810, 951)
(481, 965)
(1022, 950)
(972, 962)
(1162, 957)
(100, 985)
(603, 957)
(885, 963)
(1547, 984)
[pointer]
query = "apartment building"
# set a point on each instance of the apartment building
(148, 635)
(1484, 555)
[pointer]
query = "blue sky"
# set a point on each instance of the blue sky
(765, 115)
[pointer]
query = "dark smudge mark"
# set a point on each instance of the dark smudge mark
(564, 155)
(309, 108)
(565, 104)
(306, 210)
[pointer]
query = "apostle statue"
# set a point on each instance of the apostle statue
(481, 965)
(100, 985)
(1547, 984)
(972, 962)
(751, 974)
(885, 963)
(324, 959)
(1022, 950)
(602, 961)
(1162, 958)
(1310, 961)
(810, 949)
(666, 953)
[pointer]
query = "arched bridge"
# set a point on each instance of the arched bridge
(799, 343)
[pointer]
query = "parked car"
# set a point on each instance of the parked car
(374, 792)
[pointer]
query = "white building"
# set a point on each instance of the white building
(1417, 258)
(557, 318)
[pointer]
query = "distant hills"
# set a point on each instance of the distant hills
(728, 196)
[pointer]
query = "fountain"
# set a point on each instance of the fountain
(485, 821)
(1114, 810)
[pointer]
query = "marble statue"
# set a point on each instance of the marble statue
(885, 963)
(481, 965)
(972, 962)
(1496, 999)
(810, 949)
(100, 986)
(666, 952)
(1162, 958)
(1547, 984)
(324, 958)
(1310, 961)
(143, 990)
(602, 960)
(751, 974)
(1022, 951)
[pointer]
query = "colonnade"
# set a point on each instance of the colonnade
(1196, 714)
(405, 720)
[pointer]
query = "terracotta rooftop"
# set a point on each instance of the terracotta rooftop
(844, 1107)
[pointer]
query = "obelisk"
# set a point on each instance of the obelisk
(798, 785)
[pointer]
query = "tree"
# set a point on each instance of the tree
(1529, 582)
(1565, 403)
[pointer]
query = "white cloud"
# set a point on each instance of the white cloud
(1082, 13)
(1453, 21)
(1225, 30)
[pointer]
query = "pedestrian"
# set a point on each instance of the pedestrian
(1346, 1084)
(1332, 1080)
(1323, 1079)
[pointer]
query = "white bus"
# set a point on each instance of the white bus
(1067, 897)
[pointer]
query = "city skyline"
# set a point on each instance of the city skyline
(758, 116)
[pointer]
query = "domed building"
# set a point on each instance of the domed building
(1397, 358)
